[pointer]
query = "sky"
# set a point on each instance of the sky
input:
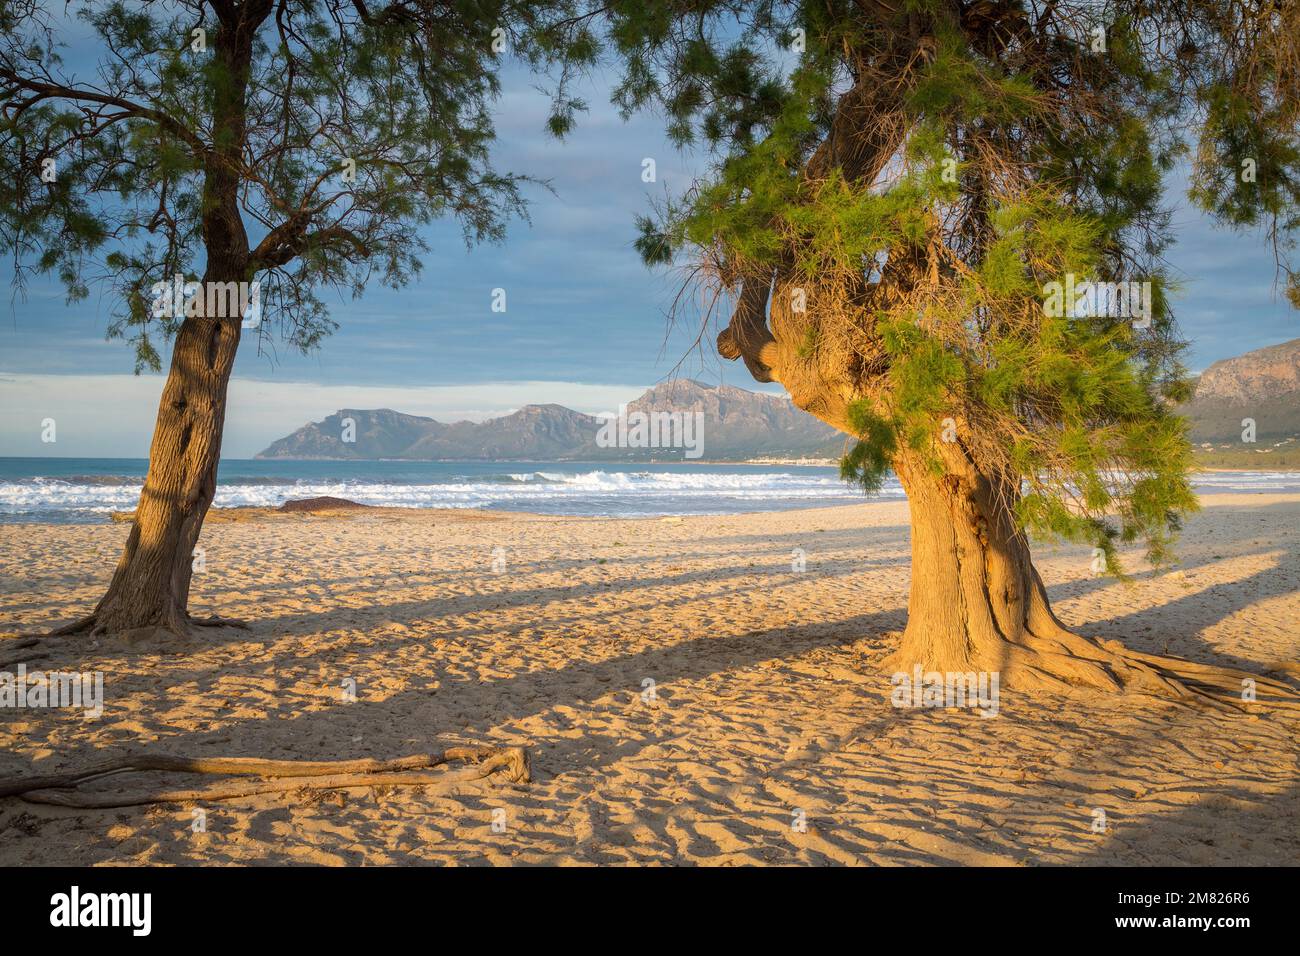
(585, 322)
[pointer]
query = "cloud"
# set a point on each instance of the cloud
(581, 307)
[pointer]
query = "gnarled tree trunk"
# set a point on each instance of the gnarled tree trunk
(978, 604)
(974, 587)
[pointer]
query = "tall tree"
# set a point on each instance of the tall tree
(909, 202)
(296, 144)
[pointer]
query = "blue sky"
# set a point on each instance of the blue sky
(585, 322)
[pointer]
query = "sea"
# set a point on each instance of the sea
(86, 490)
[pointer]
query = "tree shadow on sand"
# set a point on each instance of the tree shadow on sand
(901, 787)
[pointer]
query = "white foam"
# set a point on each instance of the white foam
(622, 492)
(557, 492)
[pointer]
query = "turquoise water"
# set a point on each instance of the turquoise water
(87, 489)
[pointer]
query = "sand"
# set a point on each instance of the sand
(769, 736)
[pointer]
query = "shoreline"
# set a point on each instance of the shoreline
(347, 508)
(773, 462)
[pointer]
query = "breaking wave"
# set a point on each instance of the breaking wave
(595, 493)
(552, 489)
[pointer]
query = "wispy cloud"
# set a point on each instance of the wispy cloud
(580, 307)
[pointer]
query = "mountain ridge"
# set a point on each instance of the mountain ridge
(736, 425)
(1262, 386)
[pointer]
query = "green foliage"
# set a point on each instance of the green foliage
(1034, 167)
(867, 462)
(163, 142)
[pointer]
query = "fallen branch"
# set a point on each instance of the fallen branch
(217, 621)
(23, 658)
(27, 644)
(284, 776)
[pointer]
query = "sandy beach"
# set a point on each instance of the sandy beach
(767, 709)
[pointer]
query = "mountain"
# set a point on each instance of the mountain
(739, 424)
(1263, 373)
(533, 432)
(733, 424)
(375, 432)
(537, 432)
(1264, 386)
(736, 425)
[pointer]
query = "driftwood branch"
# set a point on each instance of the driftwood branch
(23, 658)
(277, 776)
(28, 647)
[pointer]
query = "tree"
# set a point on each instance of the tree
(939, 225)
(273, 147)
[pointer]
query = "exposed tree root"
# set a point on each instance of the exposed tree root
(81, 625)
(278, 776)
(23, 658)
(28, 651)
(1064, 661)
(93, 626)
(217, 621)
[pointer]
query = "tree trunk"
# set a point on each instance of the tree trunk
(976, 600)
(978, 604)
(151, 585)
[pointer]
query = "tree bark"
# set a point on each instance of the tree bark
(151, 585)
(975, 593)
(978, 604)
